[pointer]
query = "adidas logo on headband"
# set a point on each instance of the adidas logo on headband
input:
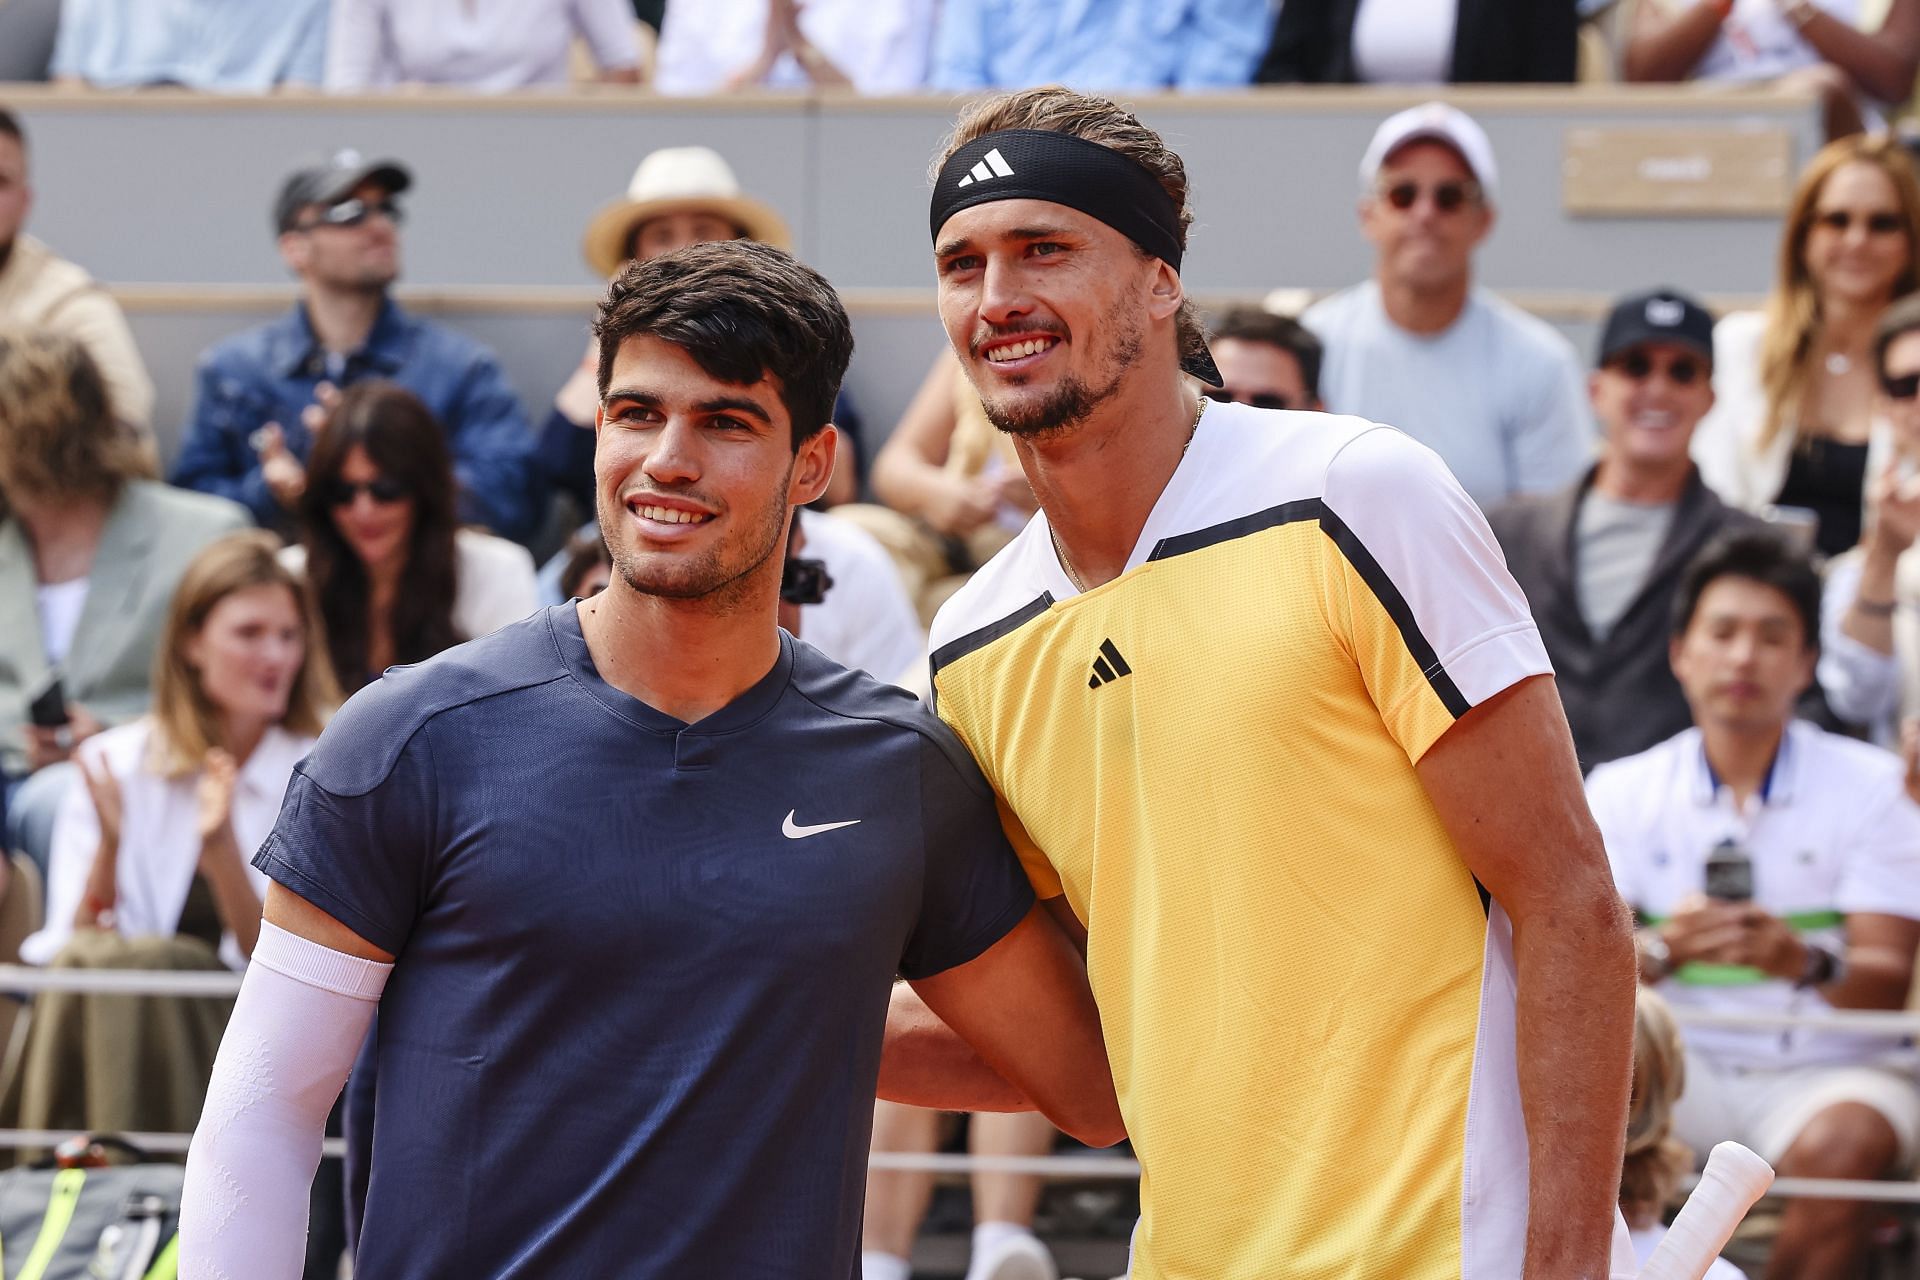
(992, 165)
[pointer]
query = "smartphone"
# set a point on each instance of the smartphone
(1729, 873)
(48, 709)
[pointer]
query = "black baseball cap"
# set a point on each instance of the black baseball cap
(332, 182)
(1659, 315)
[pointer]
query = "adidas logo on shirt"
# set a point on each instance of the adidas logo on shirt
(992, 165)
(1108, 666)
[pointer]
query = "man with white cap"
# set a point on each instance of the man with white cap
(1495, 392)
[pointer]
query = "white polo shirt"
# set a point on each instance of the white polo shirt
(1831, 833)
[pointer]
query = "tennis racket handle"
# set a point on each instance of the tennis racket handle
(1733, 1179)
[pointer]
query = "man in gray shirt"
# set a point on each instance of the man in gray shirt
(1601, 559)
(1494, 391)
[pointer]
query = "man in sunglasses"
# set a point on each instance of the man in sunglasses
(1267, 361)
(262, 394)
(1600, 560)
(1494, 391)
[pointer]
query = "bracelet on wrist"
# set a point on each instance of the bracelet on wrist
(1875, 608)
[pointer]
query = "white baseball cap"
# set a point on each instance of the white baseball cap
(1442, 123)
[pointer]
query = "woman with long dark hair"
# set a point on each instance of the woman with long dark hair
(396, 577)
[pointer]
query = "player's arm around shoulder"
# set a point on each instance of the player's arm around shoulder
(1506, 786)
(1014, 1029)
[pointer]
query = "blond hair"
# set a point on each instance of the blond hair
(1656, 1160)
(1101, 121)
(1794, 321)
(186, 723)
(58, 436)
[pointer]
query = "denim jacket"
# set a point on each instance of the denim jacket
(268, 374)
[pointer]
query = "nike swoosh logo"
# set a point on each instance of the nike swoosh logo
(794, 831)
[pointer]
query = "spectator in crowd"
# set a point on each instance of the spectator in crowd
(1823, 45)
(1870, 631)
(90, 552)
(1656, 1160)
(153, 839)
(679, 196)
(1121, 45)
(860, 616)
(714, 46)
(1600, 560)
(1423, 42)
(1774, 868)
(40, 290)
(1494, 391)
(219, 46)
(396, 577)
(953, 489)
(259, 396)
(488, 45)
(1793, 423)
(1269, 361)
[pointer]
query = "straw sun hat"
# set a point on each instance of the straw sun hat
(678, 180)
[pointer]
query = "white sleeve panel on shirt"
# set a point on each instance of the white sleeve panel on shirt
(1881, 874)
(1613, 796)
(1440, 564)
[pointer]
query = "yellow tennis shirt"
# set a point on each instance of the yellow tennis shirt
(1308, 1002)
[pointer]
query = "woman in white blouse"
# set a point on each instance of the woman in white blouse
(395, 576)
(152, 844)
(1793, 423)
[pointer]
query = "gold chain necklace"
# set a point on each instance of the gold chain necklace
(1060, 552)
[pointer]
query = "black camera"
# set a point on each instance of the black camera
(804, 581)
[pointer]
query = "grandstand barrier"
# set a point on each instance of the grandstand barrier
(165, 194)
(26, 980)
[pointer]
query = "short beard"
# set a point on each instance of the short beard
(721, 581)
(1073, 401)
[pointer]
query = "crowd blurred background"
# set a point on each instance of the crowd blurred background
(1639, 324)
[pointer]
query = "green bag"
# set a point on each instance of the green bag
(120, 1222)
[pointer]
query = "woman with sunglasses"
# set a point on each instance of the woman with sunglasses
(1870, 615)
(395, 576)
(1794, 420)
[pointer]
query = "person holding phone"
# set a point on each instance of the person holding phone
(1773, 867)
(90, 552)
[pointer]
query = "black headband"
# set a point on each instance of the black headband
(1042, 164)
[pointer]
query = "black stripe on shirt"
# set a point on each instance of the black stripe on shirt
(1357, 555)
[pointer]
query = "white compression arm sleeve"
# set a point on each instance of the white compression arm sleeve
(303, 1011)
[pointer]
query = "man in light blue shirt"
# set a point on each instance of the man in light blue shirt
(1497, 393)
(221, 46)
(1100, 44)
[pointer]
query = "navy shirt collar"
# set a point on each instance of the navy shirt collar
(744, 711)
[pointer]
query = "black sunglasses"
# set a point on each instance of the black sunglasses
(1879, 224)
(385, 490)
(1638, 365)
(1264, 400)
(351, 213)
(1448, 197)
(1901, 386)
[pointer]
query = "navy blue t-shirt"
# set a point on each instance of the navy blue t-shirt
(633, 1027)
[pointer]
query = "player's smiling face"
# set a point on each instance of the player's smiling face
(697, 476)
(1046, 306)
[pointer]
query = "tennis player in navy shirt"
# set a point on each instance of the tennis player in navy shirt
(630, 881)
